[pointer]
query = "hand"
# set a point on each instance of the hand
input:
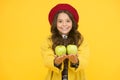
(73, 58)
(59, 59)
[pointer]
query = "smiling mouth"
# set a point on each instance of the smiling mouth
(64, 28)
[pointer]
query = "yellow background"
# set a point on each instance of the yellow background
(24, 23)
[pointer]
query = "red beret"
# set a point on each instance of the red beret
(59, 7)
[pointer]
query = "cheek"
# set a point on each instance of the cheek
(58, 25)
(70, 25)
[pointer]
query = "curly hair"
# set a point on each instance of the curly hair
(74, 36)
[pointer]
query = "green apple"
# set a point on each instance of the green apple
(60, 50)
(72, 49)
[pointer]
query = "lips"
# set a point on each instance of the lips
(65, 28)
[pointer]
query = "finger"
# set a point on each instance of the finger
(77, 54)
(55, 56)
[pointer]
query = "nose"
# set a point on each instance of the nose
(64, 23)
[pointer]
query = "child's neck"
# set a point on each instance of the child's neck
(64, 36)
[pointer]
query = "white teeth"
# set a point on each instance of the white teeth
(64, 29)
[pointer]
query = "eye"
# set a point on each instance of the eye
(59, 21)
(68, 21)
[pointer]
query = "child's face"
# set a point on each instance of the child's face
(64, 23)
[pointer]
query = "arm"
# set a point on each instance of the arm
(83, 53)
(48, 56)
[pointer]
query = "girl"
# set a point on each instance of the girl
(64, 19)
